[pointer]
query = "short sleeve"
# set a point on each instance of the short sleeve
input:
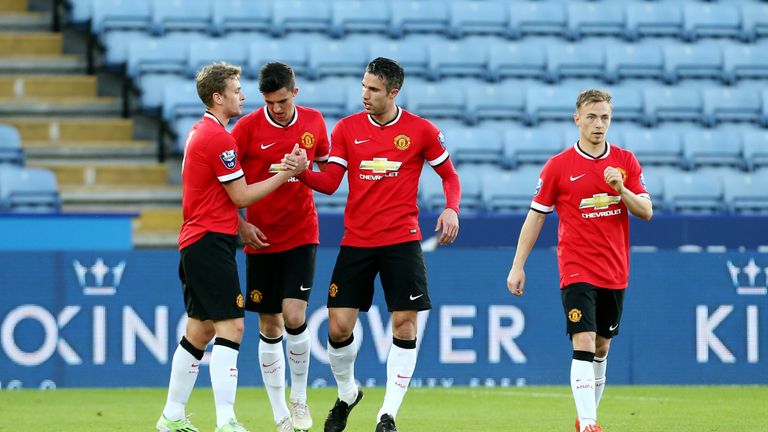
(434, 151)
(546, 189)
(635, 180)
(222, 156)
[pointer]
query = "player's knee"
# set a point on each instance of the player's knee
(293, 319)
(338, 332)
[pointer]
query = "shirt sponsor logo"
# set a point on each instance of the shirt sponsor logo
(229, 158)
(599, 201)
(402, 142)
(379, 166)
(307, 139)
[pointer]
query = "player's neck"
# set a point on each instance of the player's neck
(387, 116)
(220, 116)
(594, 150)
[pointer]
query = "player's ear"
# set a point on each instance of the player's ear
(576, 117)
(394, 92)
(295, 91)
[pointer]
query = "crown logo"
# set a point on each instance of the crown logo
(748, 280)
(99, 279)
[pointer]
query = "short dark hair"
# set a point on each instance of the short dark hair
(276, 75)
(388, 70)
(213, 78)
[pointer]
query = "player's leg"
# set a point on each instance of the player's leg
(579, 302)
(610, 304)
(404, 279)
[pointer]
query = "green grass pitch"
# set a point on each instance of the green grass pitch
(540, 409)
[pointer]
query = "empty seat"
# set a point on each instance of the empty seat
(504, 101)
(764, 116)
(654, 184)
(432, 197)
(10, 146)
(693, 192)
(746, 193)
(28, 190)
(595, 19)
(458, 59)
(754, 20)
(701, 20)
(755, 148)
(419, 16)
(359, 17)
(658, 19)
(301, 16)
(712, 148)
(692, 61)
(531, 145)
(655, 146)
(241, 16)
(207, 51)
(516, 60)
(263, 52)
(180, 99)
(537, 18)
(157, 55)
(671, 104)
(120, 15)
(442, 100)
(574, 61)
(748, 61)
(628, 104)
(327, 96)
(478, 18)
(474, 145)
(549, 103)
(412, 56)
(471, 188)
(509, 191)
(726, 104)
(633, 61)
(181, 15)
(342, 58)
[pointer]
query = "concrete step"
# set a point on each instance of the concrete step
(105, 173)
(25, 21)
(157, 227)
(62, 106)
(47, 86)
(20, 44)
(13, 5)
(42, 64)
(165, 239)
(128, 151)
(76, 129)
(119, 198)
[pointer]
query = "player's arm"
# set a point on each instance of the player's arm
(639, 205)
(251, 234)
(529, 233)
(448, 220)
(327, 181)
(243, 194)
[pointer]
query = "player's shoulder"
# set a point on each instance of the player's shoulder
(621, 152)
(309, 113)
(415, 119)
(252, 117)
(563, 156)
(352, 119)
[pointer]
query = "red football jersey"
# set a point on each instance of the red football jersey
(383, 164)
(210, 159)
(593, 235)
(287, 216)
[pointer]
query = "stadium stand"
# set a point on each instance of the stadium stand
(755, 146)
(746, 193)
(240, 16)
(495, 102)
(475, 146)
(509, 191)
(653, 19)
(725, 104)
(586, 18)
(712, 148)
(478, 18)
(10, 146)
(655, 147)
(359, 17)
(25, 190)
(701, 192)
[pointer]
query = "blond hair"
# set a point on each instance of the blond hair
(591, 96)
(213, 79)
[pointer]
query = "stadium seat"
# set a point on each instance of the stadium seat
(432, 198)
(671, 104)
(549, 103)
(336, 202)
(531, 145)
(574, 61)
(655, 146)
(724, 104)
(536, 18)
(655, 19)
(80, 12)
(509, 191)
(516, 60)
(418, 16)
(692, 61)
(359, 17)
(754, 21)
(337, 58)
(699, 192)
(263, 52)
(166, 55)
(10, 146)
(627, 104)
(595, 19)
(328, 96)
(471, 188)
(745, 62)
(24, 190)
(746, 193)
(439, 100)
(764, 116)
(412, 56)
(654, 184)
(181, 16)
(245, 16)
(474, 146)
(715, 147)
(300, 16)
(504, 101)
(633, 61)
(458, 59)
(180, 99)
(120, 15)
(207, 51)
(703, 20)
(755, 147)
(478, 18)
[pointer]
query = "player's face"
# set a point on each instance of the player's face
(593, 120)
(280, 104)
(232, 98)
(376, 99)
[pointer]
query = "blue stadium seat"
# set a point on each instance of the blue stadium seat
(574, 61)
(458, 59)
(633, 61)
(263, 52)
(654, 184)
(180, 128)
(692, 61)
(10, 146)
(207, 51)
(703, 20)
(180, 99)
(671, 104)
(764, 116)
(166, 55)
(655, 146)
(439, 100)
(419, 16)
(432, 198)
(516, 60)
(536, 18)
(120, 15)
(531, 145)
(755, 146)
(471, 188)
(746, 193)
(714, 147)
(412, 56)
(182, 16)
(509, 191)
(748, 61)
(699, 192)
(338, 58)
(504, 101)
(80, 12)
(754, 21)
(359, 17)
(241, 16)
(474, 145)
(549, 103)
(627, 104)
(328, 96)
(724, 104)
(24, 190)
(657, 19)
(300, 16)
(478, 18)
(595, 19)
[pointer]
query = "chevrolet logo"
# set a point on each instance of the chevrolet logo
(380, 165)
(273, 168)
(599, 201)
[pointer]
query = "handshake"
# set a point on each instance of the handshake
(295, 161)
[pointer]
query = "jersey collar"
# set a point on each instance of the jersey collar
(590, 157)
(211, 116)
(389, 123)
(278, 125)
